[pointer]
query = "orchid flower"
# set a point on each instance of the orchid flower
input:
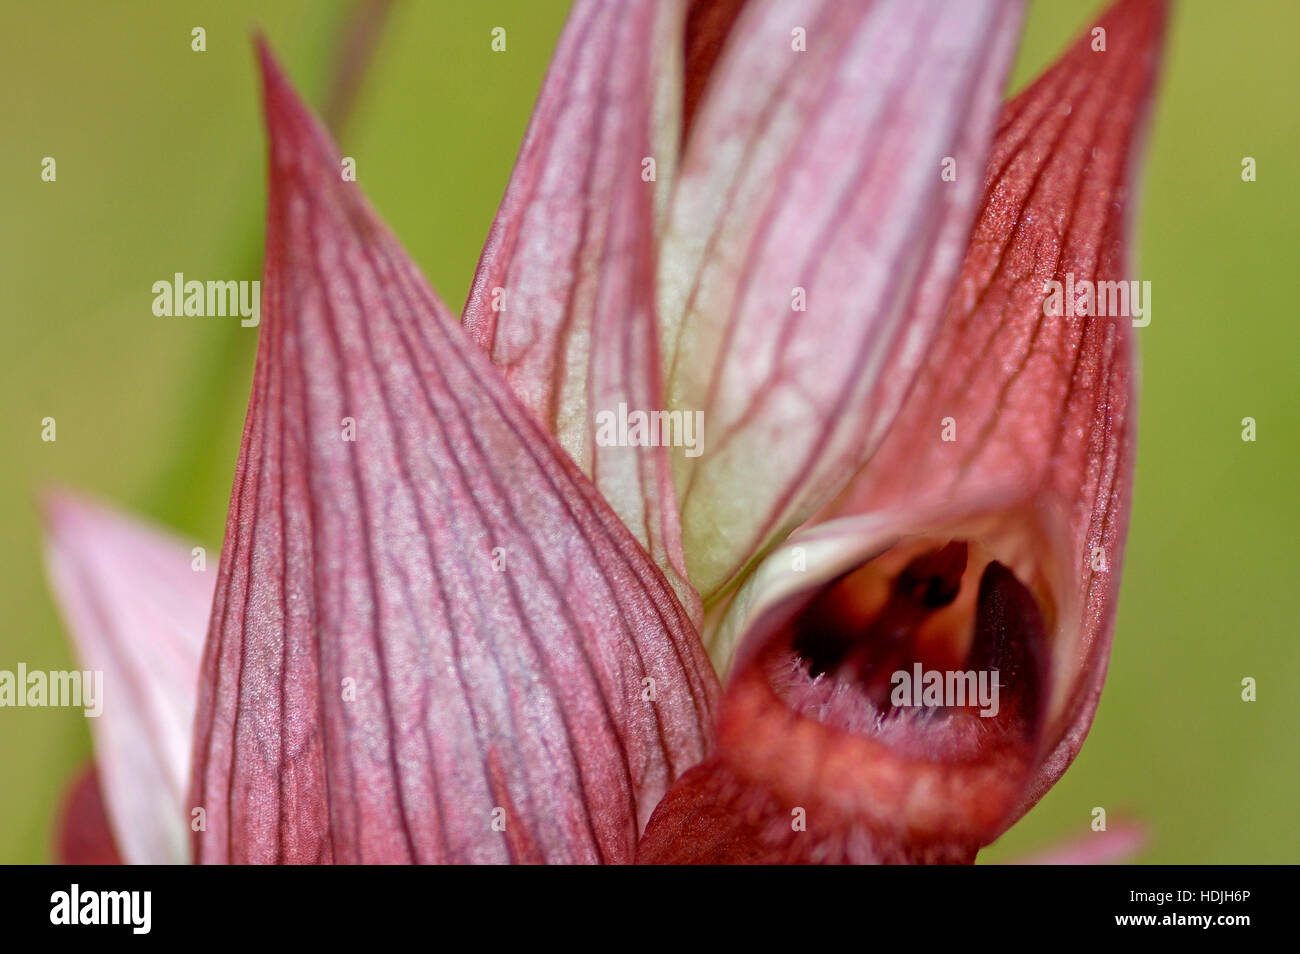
(454, 623)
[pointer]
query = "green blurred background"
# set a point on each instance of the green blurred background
(160, 169)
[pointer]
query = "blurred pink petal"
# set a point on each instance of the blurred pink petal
(137, 611)
(1119, 844)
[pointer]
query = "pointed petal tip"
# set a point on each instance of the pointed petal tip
(274, 79)
(454, 475)
(80, 522)
(72, 521)
(297, 137)
(57, 505)
(278, 94)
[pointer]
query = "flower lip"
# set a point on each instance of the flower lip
(869, 691)
(942, 656)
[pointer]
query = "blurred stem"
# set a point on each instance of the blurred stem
(355, 47)
(202, 462)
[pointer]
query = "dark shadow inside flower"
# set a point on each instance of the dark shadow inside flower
(919, 688)
(935, 648)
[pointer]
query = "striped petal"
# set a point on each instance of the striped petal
(432, 640)
(563, 299)
(813, 233)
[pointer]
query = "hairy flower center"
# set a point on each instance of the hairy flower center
(934, 648)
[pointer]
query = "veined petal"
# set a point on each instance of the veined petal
(563, 299)
(998, 552)
(137, 608)
(1045, 406)
(432, 639)
(812, 236)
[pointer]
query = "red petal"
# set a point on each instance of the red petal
(715, 815)
(373, 689)
(571, 257)
(83, 835)
(810, 241)
(1045, 406)
(1037, 481)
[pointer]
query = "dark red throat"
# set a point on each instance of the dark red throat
(907, 648)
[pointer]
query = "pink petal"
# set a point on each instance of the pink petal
(136, 609)
(1118, 844)
(373, 688)
(968, 555)
(816, 174)
(564, 295)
